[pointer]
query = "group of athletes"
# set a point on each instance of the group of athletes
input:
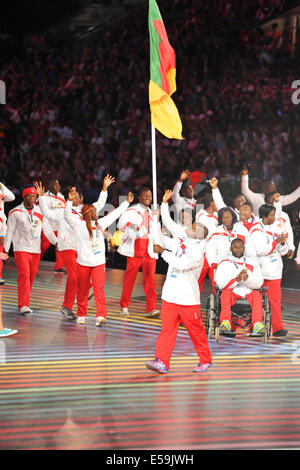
(239, 248)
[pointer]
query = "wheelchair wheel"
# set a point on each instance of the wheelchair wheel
(267, 317)
(210, 317)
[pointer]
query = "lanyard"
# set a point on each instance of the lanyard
(267, 232)
(229, 232)
(29, 216)
(236, 264)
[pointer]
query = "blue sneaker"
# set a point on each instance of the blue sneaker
(7, 332)
(157, 366)
(202, 367)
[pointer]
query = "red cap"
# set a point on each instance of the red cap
(30, 190)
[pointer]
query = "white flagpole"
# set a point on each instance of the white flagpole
(154, 176)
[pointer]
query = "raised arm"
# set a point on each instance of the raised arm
(175, 229)
(8, 195)
(51, 214)
(108, 180)
(177, 199)
(217, 197)
(290, 198)
(250, 195)
(71, 219)
(115, 214)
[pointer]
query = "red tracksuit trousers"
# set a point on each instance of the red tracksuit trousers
(85, 273)
(45, 244)
(27, 266)
(274, 296)
(189, 315)
(148, 267)
(69, 258)
(229, 298)
(1, 262)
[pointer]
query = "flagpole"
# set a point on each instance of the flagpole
(154, 176)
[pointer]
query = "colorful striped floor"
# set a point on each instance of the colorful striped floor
(64, 386)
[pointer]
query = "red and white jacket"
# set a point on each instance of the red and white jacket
(250, 222)
(54, 201)
(66, 239)
(8, 197)
(218, 243)
(229, 269)
(185, 257)
(210, 221)
(24, 230)
(135, 216)
(91, 252)
(269, 251)
(283, 220)
(181, 202)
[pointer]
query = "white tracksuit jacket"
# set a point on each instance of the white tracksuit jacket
(229, 269)
(8, 197)
(66, 239)
(284, 219)
(24, 230)
(175, 229)
(179, 201)
(54, 202)
(210, 221)
(269, 252)
(218, 244)
(134, 215)
(185, 259)
(91, 252)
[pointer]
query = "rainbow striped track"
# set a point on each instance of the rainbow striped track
(65, 386)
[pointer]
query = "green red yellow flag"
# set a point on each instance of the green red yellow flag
(164, 113)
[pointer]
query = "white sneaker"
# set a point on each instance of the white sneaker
(80, 320)
(24, 310)
(124, 312)
(100, 321)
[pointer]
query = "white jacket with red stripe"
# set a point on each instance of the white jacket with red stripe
(8, 196)
(218, 243)
(269, 251)
(66, 239)
(185, 258)
(24, 230)
(283, 220)
(229, 269)
(210, 221)
(134, 215)
(54, 201)
(182, 202)
(91, 252)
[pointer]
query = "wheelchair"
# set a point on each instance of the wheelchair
(240, 313)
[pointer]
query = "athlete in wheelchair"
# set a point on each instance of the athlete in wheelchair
(239, 300)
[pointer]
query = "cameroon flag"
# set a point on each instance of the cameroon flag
(164, 114)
